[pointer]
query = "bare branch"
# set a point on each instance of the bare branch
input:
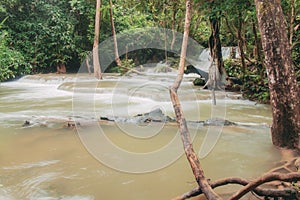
(286, 192)
(185, 136)
(294, 176)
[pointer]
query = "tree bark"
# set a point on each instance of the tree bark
(117, 58)
(284, 90)
(185, 136)
(96, 63)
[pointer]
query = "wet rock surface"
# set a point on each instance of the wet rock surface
(154, 116)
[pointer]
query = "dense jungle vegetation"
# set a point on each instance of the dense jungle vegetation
(36, 36)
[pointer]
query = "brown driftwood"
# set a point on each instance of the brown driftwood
(294, 176)
(253, 186)
(184, 132)
(61, 68)
(88, 66)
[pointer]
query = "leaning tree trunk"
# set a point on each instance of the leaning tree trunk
(117, 58)
(96, 63)
(283, 86)
(184, 132)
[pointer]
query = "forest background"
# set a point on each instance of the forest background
(37, 36)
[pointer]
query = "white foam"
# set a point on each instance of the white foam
(77, 197)
(31, 165)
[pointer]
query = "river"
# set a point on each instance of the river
(49, 160)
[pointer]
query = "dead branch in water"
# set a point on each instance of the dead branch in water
(252, 186)
(294, 176)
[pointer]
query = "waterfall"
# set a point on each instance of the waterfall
(203, 61)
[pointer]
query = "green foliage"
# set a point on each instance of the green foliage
(127, 65)
(233, 68)
(12, 62)
(296, 43)
(256, 88)
(255, 83)
(48, 33)
(286, 5)
(42, 34)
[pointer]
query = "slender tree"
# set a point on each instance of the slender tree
(216, 70)
(241, 40)
(117, 58)
(174, 5)
(96, 62)
(284, 90)
(185, 136)
(215, 42)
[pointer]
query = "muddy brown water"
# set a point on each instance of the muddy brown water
(48, 161)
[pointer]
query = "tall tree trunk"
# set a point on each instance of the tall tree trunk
(88, 65)
(173, 26)
(215, 74)
(241, 42)
(258, 51)
(185, 136)
(257, 43)
(215, 43)
(284, 89)
(292, 20)
(117, 58)
(96, 63)
(165, 32)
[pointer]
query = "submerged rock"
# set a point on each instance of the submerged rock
(26, 123)
(218, 122)
(192, 69)
(199, 82)
(153, 116)
(156, 116)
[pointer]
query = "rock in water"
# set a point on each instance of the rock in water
(199, 82)
(26, 123)
(218, 122)
(153, 116)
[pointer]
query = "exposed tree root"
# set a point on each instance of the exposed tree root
(286, 192)
(290, 177)
(283, 183)
(278, 181)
